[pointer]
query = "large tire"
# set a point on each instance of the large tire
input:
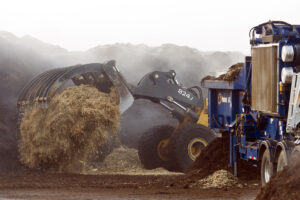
(186, 144)
(150, 145)
(282, 160)
(266, 168)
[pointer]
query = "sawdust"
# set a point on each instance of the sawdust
(219, 179)
(120, 160)
(231, 74)
(124, 160)
(70, 131)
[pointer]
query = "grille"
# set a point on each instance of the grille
(264, 79)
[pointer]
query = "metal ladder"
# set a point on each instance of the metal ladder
(294, 109)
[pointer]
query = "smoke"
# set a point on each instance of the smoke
(23, 58)
(140, 117)
(134, 61)
(18, 64)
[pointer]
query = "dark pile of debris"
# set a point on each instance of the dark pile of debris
(231, 74)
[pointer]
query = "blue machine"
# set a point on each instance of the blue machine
(258, 110)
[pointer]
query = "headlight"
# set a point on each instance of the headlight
(287, 53)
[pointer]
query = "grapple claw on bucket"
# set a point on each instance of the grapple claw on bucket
(39, 91)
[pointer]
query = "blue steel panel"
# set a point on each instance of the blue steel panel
(223, 107)
(272, 128)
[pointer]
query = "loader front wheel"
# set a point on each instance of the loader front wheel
(153, 147)
(186, 144)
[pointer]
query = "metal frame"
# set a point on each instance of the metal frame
(294, 110)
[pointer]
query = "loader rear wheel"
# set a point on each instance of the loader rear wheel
(153, 147)
(186, 144)
(266, 170)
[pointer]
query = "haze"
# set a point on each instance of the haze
(205, 25)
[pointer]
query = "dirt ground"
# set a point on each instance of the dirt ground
(38, 185)
(122, 176)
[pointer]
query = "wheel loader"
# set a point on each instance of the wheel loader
(173, 148)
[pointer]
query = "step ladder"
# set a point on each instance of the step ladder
(294, 104)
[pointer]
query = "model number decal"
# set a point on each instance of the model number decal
(185, 94)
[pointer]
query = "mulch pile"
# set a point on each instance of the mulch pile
(284, 184)
(212, 158)
(70, 131)
(124, 160)
(231, 74)
(219, 179)
(215, 159)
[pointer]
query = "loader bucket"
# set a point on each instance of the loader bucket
(39, 91)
